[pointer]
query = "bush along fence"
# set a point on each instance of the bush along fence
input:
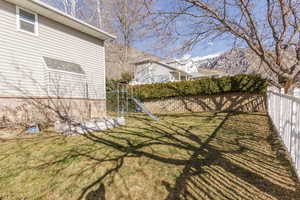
(284, 111)
(234, 93)
(208, 86)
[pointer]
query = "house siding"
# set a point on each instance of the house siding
(157, 73)
(23, 71)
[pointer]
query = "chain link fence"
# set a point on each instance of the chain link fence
(119, 101)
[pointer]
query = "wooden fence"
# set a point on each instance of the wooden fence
(284, 110)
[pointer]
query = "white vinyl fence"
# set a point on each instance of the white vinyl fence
(284, 111)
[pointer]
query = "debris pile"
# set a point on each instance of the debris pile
(79, 128)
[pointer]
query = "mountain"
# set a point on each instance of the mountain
(237, 61)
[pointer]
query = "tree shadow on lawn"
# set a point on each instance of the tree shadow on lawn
(232, 159)
(231, 163)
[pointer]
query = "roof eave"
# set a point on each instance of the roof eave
(44, 9)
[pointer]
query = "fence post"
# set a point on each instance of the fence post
(294, 132)
(297, 133)
(283, 109)
(297, 92)
(270, 107)
(118, 99)
(281, 113)
(127, 99)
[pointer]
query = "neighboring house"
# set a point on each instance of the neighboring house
(152, 71)
(115, 60)
(184, 64)
(207, 73)
(46, 53)
(191, 64)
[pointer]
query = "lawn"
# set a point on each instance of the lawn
(184, 156)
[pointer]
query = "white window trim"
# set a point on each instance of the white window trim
(36, 24)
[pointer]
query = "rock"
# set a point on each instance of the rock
(120, 121)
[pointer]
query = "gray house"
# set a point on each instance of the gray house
(46, 53)
(152, 71)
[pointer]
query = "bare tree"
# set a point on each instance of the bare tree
(60, 96)
(70, 7)
(88, 11)
(99, 13)
(127, 19)
(270, 28)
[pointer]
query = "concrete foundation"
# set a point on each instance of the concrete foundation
(39, 109)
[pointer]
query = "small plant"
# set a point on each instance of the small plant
(126, 77)
(111, 84)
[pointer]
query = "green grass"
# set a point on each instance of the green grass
(182, 156)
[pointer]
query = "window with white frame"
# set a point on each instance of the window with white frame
(27, 21)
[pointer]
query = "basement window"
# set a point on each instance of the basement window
(65, 79)
(27, 21)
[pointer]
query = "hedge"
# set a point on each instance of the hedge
(238, 83)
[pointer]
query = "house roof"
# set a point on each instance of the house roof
(52, 13)
(211, 71)
(160, 63)
(207, 73)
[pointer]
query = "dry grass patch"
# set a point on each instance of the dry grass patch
(183, 156)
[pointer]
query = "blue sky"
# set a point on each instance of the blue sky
(201, 49)
(204, 47)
